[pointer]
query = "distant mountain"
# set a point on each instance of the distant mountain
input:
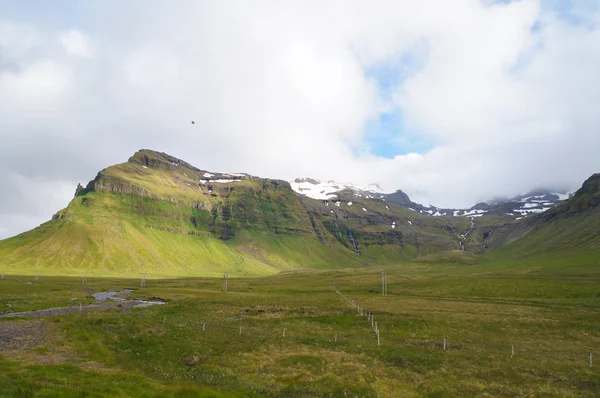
(571, 228)
(161, 215)
(533, 202)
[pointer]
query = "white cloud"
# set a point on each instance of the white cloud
(280, 89)
(75, 43)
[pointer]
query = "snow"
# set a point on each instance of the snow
(540, 198)
(186, 175)
(393, 226)
(476, 215)
(337, 204)
(237, 174)
(528, 211)
(144, 167)
(203, 181)
(437, 214)
(530, 205)
(411, 209)
(327, 204)
(563, 196)
(224, 181)
(208, 175)
(518, 218)
(327, 190)
(349, 203)
(472, 212)
(387, 207)
(322, 191)
(364, 209)
(331, 211)
(410, 222)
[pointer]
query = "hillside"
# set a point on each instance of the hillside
(571, 230)
(158, 214)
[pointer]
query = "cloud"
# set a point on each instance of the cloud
(504, 94)
(75, 43)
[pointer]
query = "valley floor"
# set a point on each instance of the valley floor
(292, 335)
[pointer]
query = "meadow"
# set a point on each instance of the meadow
(291, 334)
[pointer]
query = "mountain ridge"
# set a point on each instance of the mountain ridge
(535, 201)
(160, 214)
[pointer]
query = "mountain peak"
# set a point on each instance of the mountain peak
(591, 185)
(588, 196)
(154, 159)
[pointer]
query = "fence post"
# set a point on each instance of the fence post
(512, 353)
(590, 359)
(444, 343)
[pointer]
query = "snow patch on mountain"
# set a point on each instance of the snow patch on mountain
(317, 189)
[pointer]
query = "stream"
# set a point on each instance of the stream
(104, 300)
(464, 236)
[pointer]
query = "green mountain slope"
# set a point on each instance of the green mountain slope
(161, 215)
(568, 232)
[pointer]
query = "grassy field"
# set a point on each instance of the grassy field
(550, 314)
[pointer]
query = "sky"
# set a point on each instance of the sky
(454, 102)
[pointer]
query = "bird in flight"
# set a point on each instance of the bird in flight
(193, 122)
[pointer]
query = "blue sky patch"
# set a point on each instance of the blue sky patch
(386, 135)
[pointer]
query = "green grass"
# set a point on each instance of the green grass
(552, 318)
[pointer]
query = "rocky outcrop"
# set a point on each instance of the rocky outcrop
(399, 198)
(104, 183)
(157, 160)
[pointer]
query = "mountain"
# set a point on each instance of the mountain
(572, 228)
(533, 202)
(160, 215)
